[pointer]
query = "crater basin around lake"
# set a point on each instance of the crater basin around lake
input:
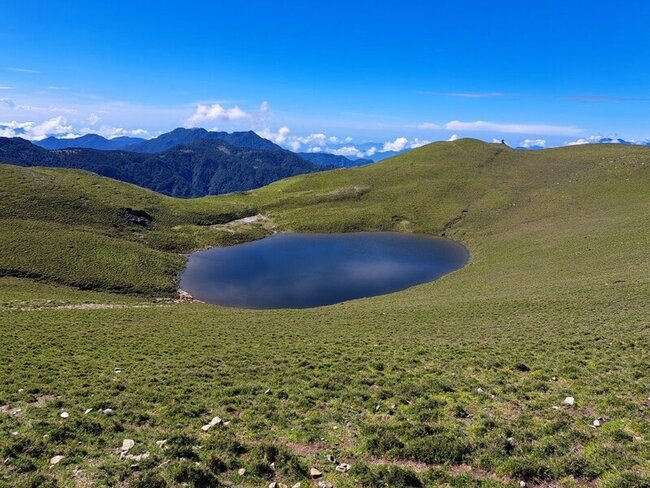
(310, 270)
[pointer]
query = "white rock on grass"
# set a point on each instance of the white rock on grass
(161, 443)
(570, 401)
(87, 411)
(56, 460)
(212, 423)
(597, 423)
(343, 468)
(315, 473)
(127, 444)
(297, 485)
(241, 471)
(64, 415)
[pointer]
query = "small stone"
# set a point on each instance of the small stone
(570, 401)
(272, 465)
(56, 459)
(108, 411)
(20, 390)
(212, 423)
(127, 444)
(297, 485)
(87, 411)
(241, 471)
(138, 457)
(283, 485)
(267, 391)
(554, 378)
(522, 484)
(596, 423)
(325, 484)
(226, 424)
(343, 468)
(161, 443)
(273, 484)
(332, 459)
(118, 370)
(64, 415)
(479, 390)
(14, 433)
(315, 473)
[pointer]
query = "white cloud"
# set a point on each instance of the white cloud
(265, 107)
(607, 140)
(7, 102)
(315, 149)
(415, 143)
(111, 132)
(37, 131)
(214, 111)
(348, 151)
(23, 70)
(5, 87)
(428, 125)
(93, 119)
(396, 145)
(479, 125)
(476, 94)
(454, 137)
(532, 143)
(279, 137)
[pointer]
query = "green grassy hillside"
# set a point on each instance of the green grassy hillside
(459, 382)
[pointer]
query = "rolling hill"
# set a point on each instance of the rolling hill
(459, 382)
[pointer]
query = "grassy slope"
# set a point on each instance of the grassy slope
(557, 286)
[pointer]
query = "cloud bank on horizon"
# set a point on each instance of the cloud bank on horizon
(38, 121)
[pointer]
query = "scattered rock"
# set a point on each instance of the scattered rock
(212, 423)
(325, 484)
(226, 423)
(272, 466)
(118, 370)
(332, 459)
(87, 411)
(596, 423)
(522, 484)
(108, 411)
(570, 401)
(137, 457)
(273, 484)
(343, 468)
(161, 443)
(64, 415)
(554, 378)
(297, 485)
(137, 217)
(56, 460)
(479, 390)
(267, 391)
(20, 390)
(241, 471)
(127, 444)
(315, 473)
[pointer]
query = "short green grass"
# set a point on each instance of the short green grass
(459, 382)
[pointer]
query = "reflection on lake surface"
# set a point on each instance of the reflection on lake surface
(309, 270)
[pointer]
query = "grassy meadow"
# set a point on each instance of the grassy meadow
(460, 382)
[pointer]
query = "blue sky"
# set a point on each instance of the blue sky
(364, 70)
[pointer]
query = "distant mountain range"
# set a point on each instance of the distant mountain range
(326, 159)
(89, 141)
(182, 136)
(198, 168)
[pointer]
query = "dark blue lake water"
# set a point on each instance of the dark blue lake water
(309, 270)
